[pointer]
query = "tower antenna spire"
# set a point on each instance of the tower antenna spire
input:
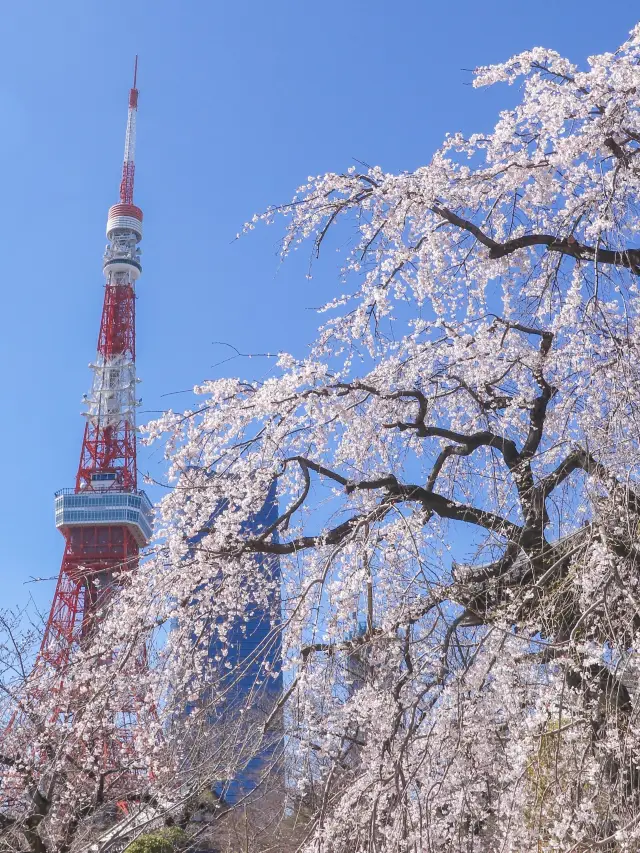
(129, 161)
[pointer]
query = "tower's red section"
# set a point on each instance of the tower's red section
(95, 553)
(126, 185)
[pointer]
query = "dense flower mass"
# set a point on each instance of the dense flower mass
(457, 465)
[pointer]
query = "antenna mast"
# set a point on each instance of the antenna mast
(129, 161)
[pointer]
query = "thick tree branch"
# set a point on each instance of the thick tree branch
(628, 258)
(580, 459)
(395, 493)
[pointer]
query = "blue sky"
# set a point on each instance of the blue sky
(239, 102)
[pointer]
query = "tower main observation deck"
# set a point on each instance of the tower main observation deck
(105, 518)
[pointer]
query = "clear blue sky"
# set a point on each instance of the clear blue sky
(239, 102)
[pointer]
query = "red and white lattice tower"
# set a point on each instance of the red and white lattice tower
(105, 519)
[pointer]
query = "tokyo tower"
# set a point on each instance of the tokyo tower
(104, 518)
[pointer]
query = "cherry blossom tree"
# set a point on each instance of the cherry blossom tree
(457, 464)
(457, 468)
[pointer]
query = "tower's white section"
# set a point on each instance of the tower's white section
(130, 136)
(112, 400)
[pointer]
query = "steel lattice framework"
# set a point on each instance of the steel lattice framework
(105, 519)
